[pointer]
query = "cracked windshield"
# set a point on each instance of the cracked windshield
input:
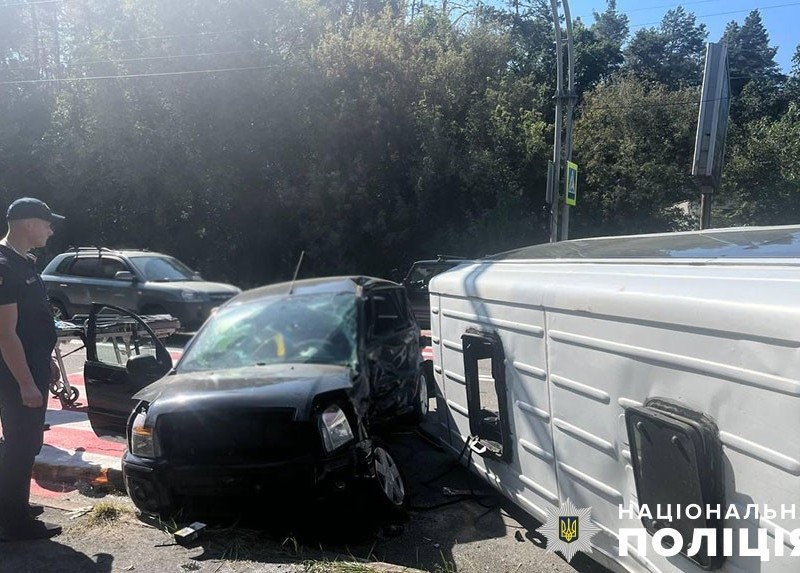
(319, 328)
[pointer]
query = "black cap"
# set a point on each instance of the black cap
(30, 208)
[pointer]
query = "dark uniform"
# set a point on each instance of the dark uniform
(22, 426)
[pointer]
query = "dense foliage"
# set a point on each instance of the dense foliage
(235, 134)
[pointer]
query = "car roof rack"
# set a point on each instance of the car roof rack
(77, 249)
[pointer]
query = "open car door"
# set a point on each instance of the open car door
(123, 355)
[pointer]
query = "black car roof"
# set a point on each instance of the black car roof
(754, 242)
(349, 284)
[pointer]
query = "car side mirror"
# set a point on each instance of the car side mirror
(124, 276)
(196, 276)
(142, 365)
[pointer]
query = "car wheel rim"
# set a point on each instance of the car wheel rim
(423, 395)
(56, 311)
(388, 476)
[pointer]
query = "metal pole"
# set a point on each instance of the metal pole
(556, 183)
(571, 97)
(706, 197)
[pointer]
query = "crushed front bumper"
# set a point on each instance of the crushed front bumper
(158, 487)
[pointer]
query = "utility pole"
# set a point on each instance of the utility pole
(554, 175)
(571, 97)
(553, 195)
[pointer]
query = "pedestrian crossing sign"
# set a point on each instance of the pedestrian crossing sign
(572, 183)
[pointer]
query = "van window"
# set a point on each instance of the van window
(484, 370)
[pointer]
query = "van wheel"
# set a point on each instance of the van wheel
(387, 488)
(58, 310)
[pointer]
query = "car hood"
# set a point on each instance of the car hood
(199, 286)
(279, 385)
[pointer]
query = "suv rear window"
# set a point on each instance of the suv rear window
(64, 265)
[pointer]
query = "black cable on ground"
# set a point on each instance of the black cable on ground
(458, 499)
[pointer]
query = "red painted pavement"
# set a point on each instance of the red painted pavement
(72, 438)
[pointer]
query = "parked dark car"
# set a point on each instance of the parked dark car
(142, 281)
(282, 387)
(416, 285)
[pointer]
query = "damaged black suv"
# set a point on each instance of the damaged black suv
(283, 386)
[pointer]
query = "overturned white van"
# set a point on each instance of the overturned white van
(640, 377)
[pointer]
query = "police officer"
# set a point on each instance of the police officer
(27, 339)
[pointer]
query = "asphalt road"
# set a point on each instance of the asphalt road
(472, 532)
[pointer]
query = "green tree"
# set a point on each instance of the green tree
(671, 54)
(756, 81)
(762, 179)
(634, 142)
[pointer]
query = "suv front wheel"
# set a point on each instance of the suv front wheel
(59, 310)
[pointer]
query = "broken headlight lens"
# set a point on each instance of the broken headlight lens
(335, 428)
(143, 439)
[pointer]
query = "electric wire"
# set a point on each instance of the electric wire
(697, 17)
(129, 76)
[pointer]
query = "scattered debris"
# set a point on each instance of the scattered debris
(80, 512)
(518, 535)
(190, 533)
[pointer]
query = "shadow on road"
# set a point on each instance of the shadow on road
(448, 507)
(50, 555)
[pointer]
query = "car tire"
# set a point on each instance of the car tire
(386, 490)
(59, 310)
(421, 398)
(427, 368)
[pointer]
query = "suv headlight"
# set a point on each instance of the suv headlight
(142, 436)
(334, 428)
(190, 295)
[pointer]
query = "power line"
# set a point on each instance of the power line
(127, 76)
(167, 57)
(666, 6)
(22, 4)
(659, 104)
(145, 58)
(188, 35)
(171, 36)
(748, 10)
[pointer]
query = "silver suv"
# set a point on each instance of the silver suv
(138, 280)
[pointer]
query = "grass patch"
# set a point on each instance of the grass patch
(107, 512)
(337, 567)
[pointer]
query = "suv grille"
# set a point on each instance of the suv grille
(231, 436)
